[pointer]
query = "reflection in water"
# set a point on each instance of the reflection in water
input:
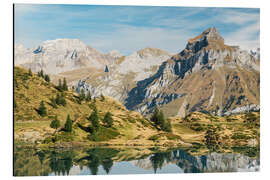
(30, 162)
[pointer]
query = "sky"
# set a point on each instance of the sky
(130, 28)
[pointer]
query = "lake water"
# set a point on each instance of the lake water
(95, 161)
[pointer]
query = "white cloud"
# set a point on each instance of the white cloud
(247, 37)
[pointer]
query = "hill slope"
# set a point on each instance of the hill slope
(30, 90)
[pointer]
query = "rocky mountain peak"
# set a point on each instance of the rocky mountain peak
(152, 52)
(208, 38)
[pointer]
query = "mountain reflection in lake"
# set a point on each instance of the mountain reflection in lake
(31, 162)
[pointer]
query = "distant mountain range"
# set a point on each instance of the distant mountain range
(206, 76)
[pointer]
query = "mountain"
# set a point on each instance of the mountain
(123, 74)
(60, 55)
(207, 76)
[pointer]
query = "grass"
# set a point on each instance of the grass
(104, 134)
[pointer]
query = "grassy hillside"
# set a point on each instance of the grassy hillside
(129, 127)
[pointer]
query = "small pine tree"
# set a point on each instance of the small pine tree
(102, 97)
(94, 119)
(55, 124)
(65, 87)
(154, 117)
(108, 120)
(30, 72)
(63, 100)
(53, 103)
(161, 120)
(59, 87)
(41, 73)
(47, 78)
(68, 124)
(42, 111)
(82, 95)
(167, 126)
(88, 96)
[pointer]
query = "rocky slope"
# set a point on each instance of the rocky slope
(206, 76)
(60, 55)
(122, 75)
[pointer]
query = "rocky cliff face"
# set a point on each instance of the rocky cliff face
(60, 55)
(206, 76)
(124, 73)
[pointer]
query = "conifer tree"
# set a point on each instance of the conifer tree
(68, 124)
(59, 87)
(42, 111)
(55, 124)
(30, 72)
(82, 94)
(62, 99)
(65, 87)
(47, 78)
(102, 97)
(94, 119)
(41, 73)
(108, 120)
(53, 102)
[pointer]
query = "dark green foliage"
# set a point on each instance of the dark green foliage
(158, 159)
(247, 150)
(250, 118)
(65, 87)
(42, 110)
(167, 126)
(60, 99)
(47, 78)
(55, 124)
(159, 120)
(196, 126)
(103, 134)
(41, 74)
(88, 96)
(94, 119)
(108, 120)
(102, 97)
(53, 103)
(211, 139)
(30, 72)
(154, 117)
(107, 164)
(59, 87)
(61, 162)
(68, 124)
(82, 95)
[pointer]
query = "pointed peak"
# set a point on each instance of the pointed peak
(209, 35)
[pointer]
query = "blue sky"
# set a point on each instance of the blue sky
(130, 28)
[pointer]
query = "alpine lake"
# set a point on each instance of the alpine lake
(29, 161)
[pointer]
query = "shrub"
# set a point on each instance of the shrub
(94, 119)
(42, 111)
(68, 124)
(108, 120)
(55, 124)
